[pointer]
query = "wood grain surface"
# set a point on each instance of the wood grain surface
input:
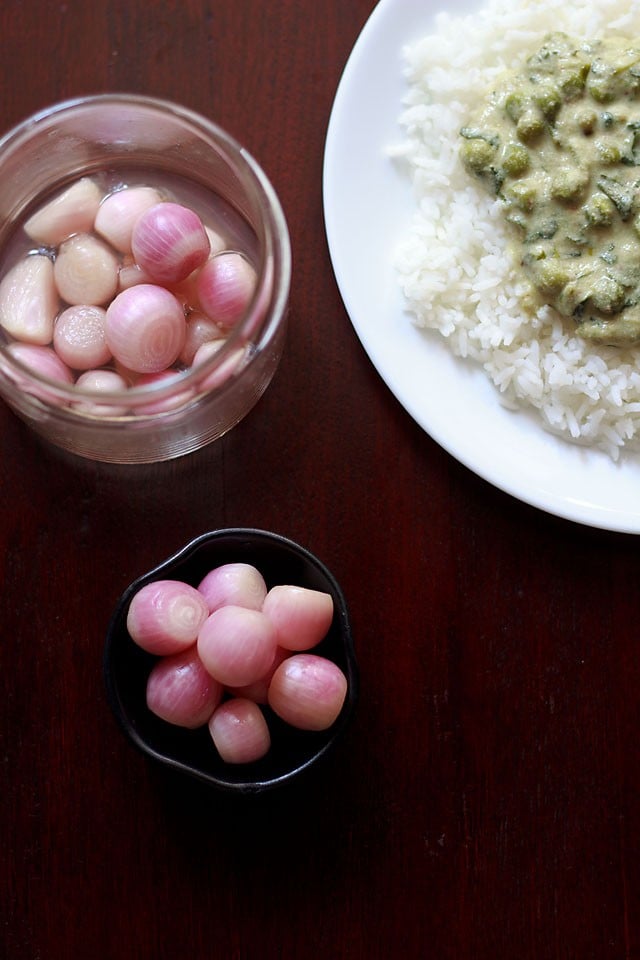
(483, 804)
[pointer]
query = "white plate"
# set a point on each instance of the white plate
(368, 205)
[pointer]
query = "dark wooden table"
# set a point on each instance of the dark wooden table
(484, 802)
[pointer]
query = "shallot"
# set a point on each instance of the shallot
(180, 691)
(225, 286)
(227, 367)
(165, 616)
(308, 691)
(162, 404)
(239, 731)
(169, 242)
(240, 584)
(145, 328)
(301, 616)
(97, 382)
(236, 645)
(200, 329)
(185, 290)
(43, 362)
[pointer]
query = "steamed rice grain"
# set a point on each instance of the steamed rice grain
(455, 269)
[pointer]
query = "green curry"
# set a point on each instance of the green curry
(559, 144)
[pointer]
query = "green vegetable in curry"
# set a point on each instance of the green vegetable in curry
(559, 144)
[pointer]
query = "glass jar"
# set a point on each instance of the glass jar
(121, 140)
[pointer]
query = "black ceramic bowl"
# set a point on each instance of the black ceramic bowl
(126, 666)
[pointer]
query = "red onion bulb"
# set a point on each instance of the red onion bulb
(164, 616)
(237, 645)
(301, 616)
(225, 286)
(180, 691)
(308, 691)
(145, 328)
(169, 241)
(239, 731)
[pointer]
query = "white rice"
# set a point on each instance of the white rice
(455, 271)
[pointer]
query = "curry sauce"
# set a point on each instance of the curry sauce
(559, 144)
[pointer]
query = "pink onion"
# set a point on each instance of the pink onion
(308, 691)
(180, 691)
(97, 382)
(145, 328)
(239, 731)
(185, 290)
(169, 241)
(302, 617)
(44, 362)
(239, 584)
(162, 404)
(236, 645)
(225, 286)
(165, 616)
